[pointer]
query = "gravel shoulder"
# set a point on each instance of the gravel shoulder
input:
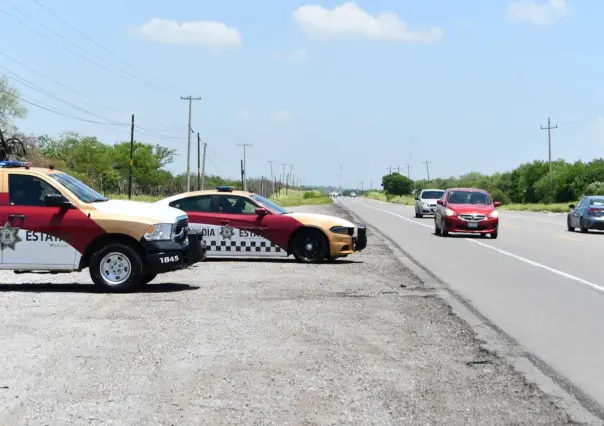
(252, 342)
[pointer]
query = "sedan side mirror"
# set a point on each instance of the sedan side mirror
(416, 198)
(572, 206)
(440, 202)
(260, 211)
(57, 200)
(496, 203)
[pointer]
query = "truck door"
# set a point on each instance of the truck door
(34, 235)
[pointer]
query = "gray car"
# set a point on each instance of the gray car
(587, 214)
(425, 202)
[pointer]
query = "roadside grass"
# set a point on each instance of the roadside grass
(301, 198)
(538, 207)
(143, 198)
(408, 200)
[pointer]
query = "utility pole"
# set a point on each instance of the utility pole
(131, 158)
(198, 162)
(271, 163)
(389, 168)
(408, 171)
(242, 175)
(549, 129)
(427, 169)
(190, 99)
(244, 165)
(282, 177)
(398, 169)
(291, 177)
(203, 167)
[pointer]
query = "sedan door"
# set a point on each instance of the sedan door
(244, 232)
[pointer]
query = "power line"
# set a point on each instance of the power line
(98, 44)
(54, 111)
(44, 92)
(102, 64)
(74, 90)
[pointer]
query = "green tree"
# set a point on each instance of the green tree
(397, 184)
(11, 107)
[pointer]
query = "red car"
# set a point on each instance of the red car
(468, 211)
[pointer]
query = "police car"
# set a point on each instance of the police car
(243, 224)
(52, 222)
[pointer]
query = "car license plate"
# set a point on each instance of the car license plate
(472, 225)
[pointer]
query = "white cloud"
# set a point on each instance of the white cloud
(294, 56)
(349, 21)
(203, 33)
(540, 13)
(283, 116)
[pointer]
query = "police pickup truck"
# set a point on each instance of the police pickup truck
(52, 222)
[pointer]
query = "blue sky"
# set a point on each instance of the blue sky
(464, 84)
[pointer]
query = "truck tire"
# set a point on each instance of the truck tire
(147, 278)
(116, 267)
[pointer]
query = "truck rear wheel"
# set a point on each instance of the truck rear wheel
(116, 267)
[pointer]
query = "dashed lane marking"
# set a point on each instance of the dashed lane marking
(506, 253)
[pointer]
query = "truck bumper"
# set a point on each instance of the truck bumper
(167, 256)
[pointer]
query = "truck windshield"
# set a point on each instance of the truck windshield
(78, 188)
(270, 204)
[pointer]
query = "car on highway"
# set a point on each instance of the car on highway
(425, 202)
(587, 214)
(466, 210)
(52, 222)
(353, 194)
(243, 224)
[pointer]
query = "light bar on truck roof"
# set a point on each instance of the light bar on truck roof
(14, 164)
(224, 188)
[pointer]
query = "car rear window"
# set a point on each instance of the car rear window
(599, 202)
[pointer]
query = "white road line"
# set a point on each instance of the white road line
(507, 253)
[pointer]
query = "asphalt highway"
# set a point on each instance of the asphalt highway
(539, 283)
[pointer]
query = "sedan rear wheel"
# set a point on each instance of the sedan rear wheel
(584, 228)
(570, 228)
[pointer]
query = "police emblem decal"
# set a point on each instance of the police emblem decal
(9, 236)
(227, 232)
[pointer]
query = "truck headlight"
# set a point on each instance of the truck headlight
(159, 232)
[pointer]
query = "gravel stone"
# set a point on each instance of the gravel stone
(356, 341)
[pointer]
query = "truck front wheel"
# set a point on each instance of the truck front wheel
(116, 267)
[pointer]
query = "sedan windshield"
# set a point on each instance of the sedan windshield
(469, 197)
(432, 195)
(270, 204)
(79, 189)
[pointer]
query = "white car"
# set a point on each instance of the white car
(425, 202)
(353, 194)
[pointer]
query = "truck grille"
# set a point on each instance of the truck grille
(181, 230)
(472, 217)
